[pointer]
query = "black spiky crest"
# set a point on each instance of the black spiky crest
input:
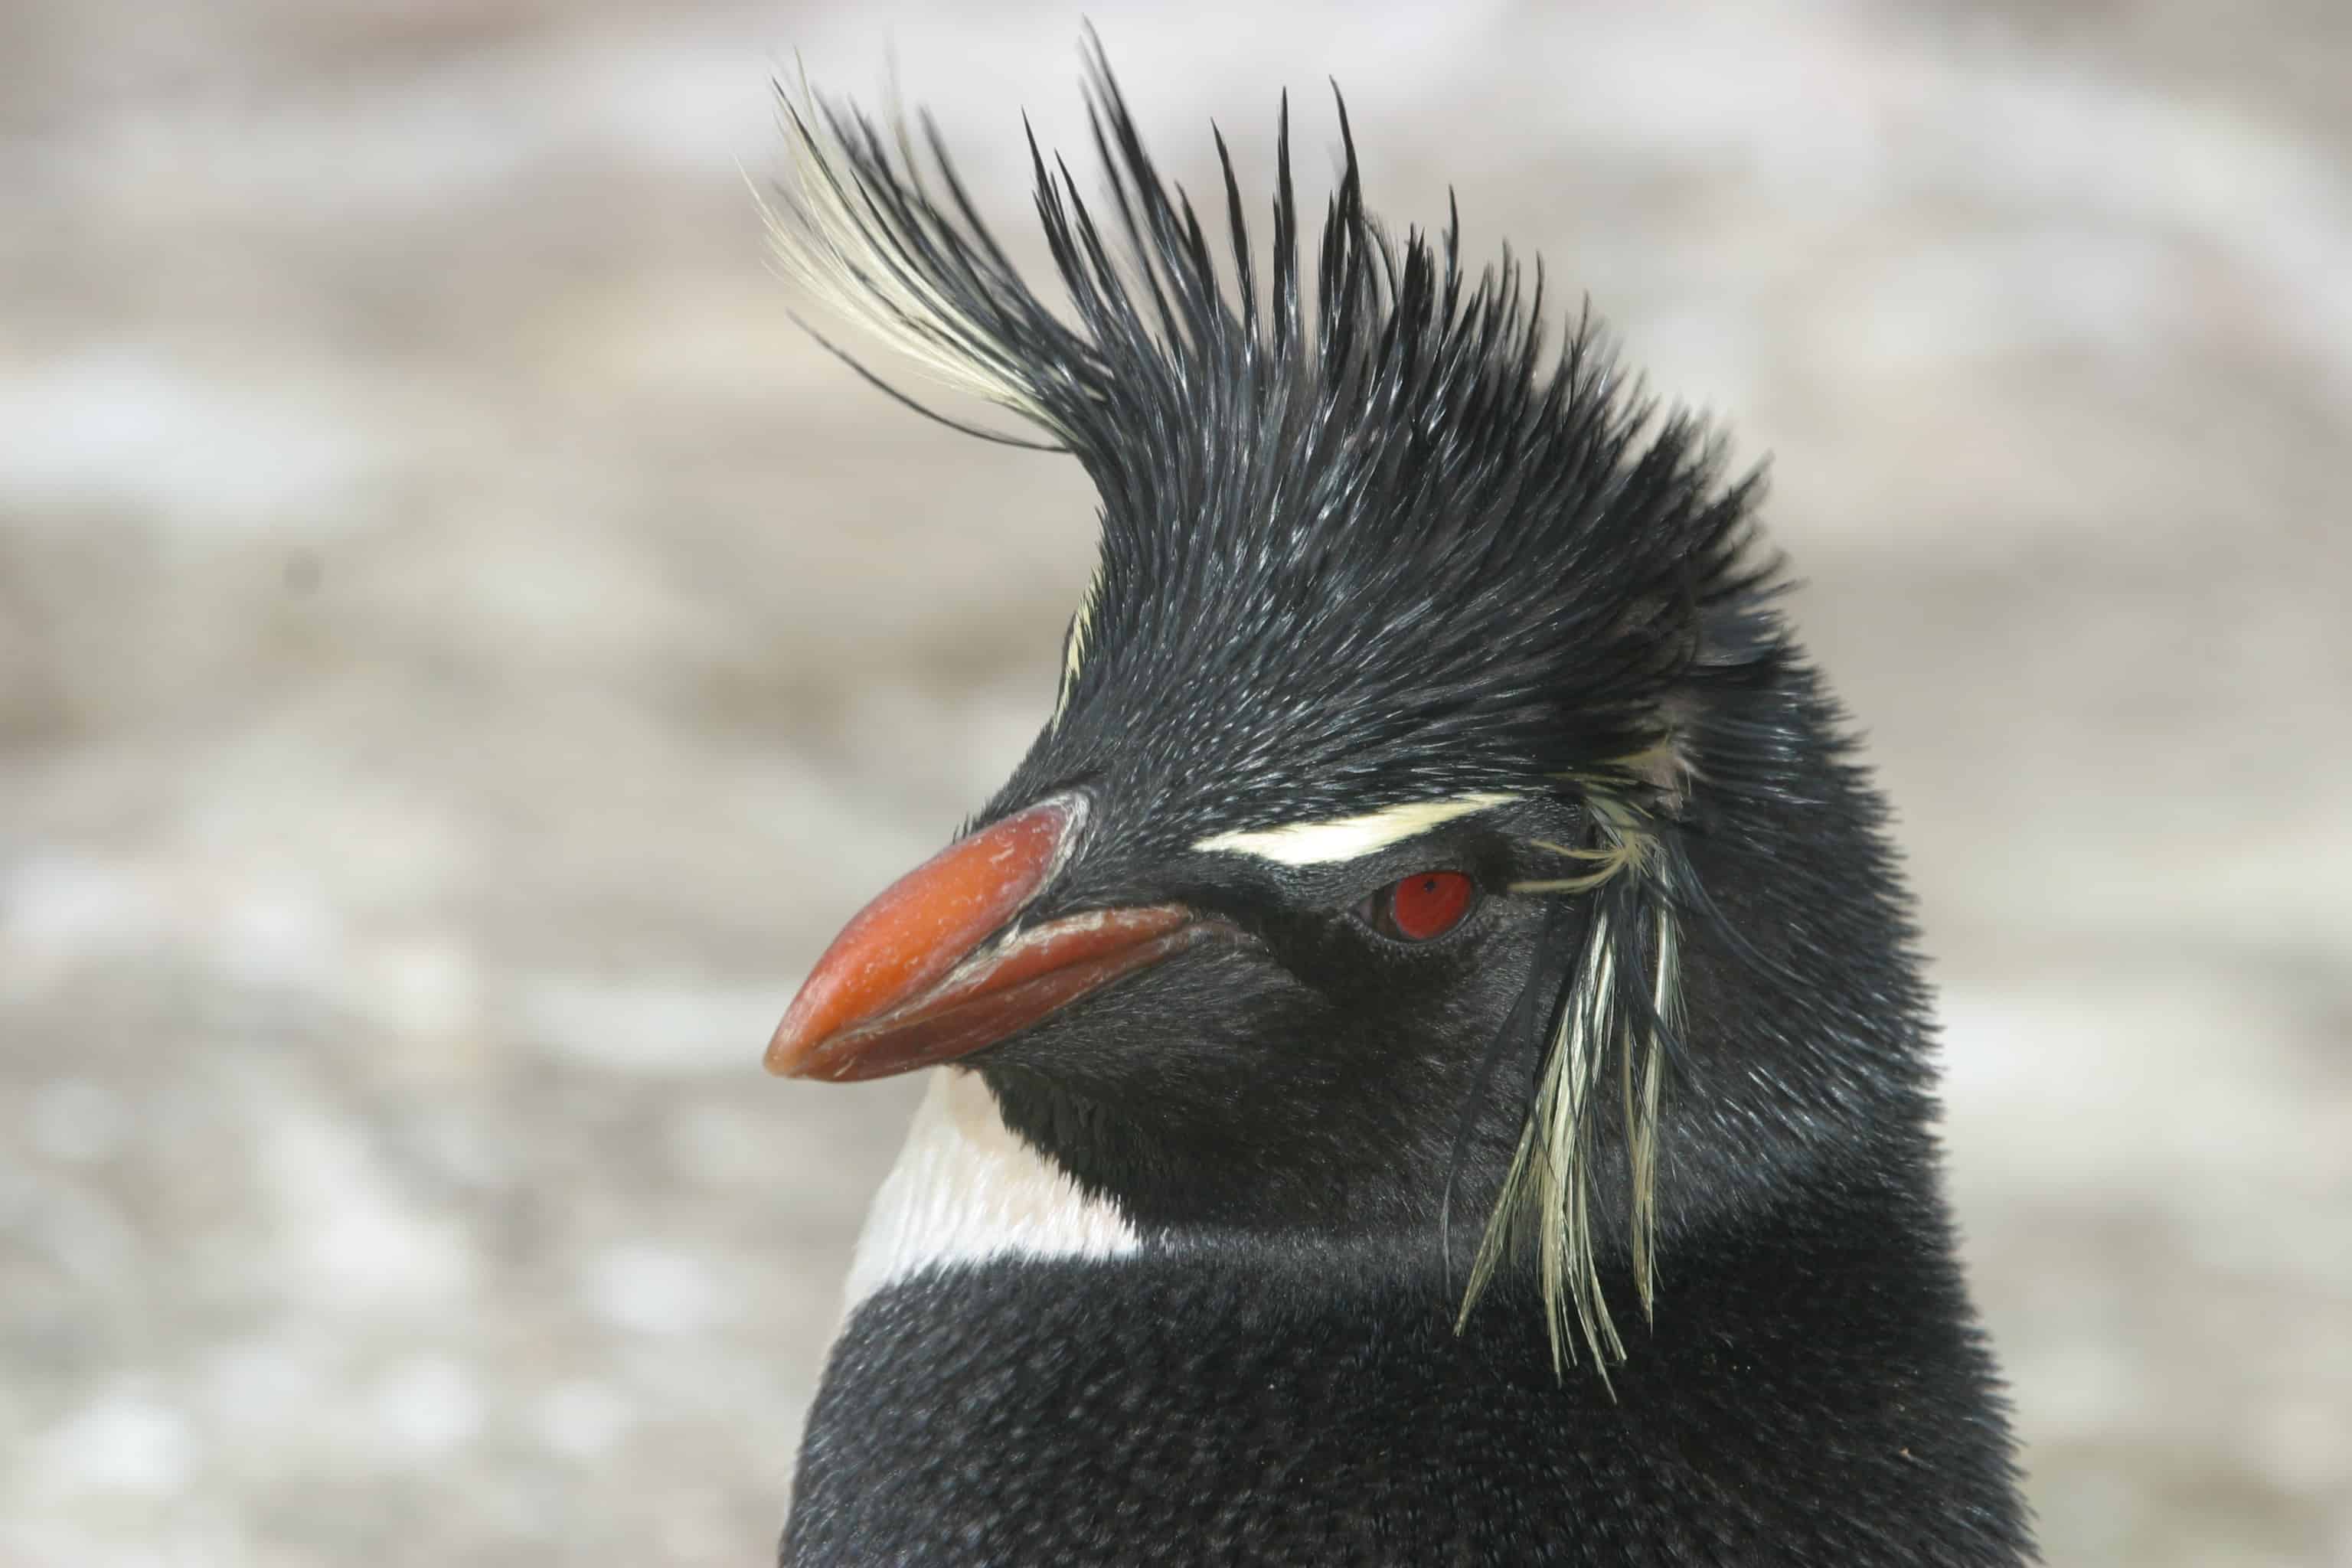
(1372, 548)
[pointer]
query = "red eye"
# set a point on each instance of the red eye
(1425, 905)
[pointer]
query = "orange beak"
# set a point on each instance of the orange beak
(928, 972)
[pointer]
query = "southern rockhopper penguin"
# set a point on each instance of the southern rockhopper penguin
(1428, 1060)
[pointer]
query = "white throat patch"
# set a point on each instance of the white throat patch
(1349, 837)
(967, 1188)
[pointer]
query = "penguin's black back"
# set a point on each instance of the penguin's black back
(1811, 1394)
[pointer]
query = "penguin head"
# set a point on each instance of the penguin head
(1422, 742)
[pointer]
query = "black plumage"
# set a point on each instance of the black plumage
(1605, 1225)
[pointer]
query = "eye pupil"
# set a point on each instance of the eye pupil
(1427, 906)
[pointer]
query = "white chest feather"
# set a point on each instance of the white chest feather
(965, 1188)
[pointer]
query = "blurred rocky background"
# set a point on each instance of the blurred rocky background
(462, 652)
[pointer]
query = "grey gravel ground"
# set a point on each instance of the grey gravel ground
(462, 653)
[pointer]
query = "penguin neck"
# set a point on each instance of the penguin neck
(1017, 1405)
(968, 1189)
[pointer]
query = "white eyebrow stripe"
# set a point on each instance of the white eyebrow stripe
(1348, 838)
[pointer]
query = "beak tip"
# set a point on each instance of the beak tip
(790, 1047)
